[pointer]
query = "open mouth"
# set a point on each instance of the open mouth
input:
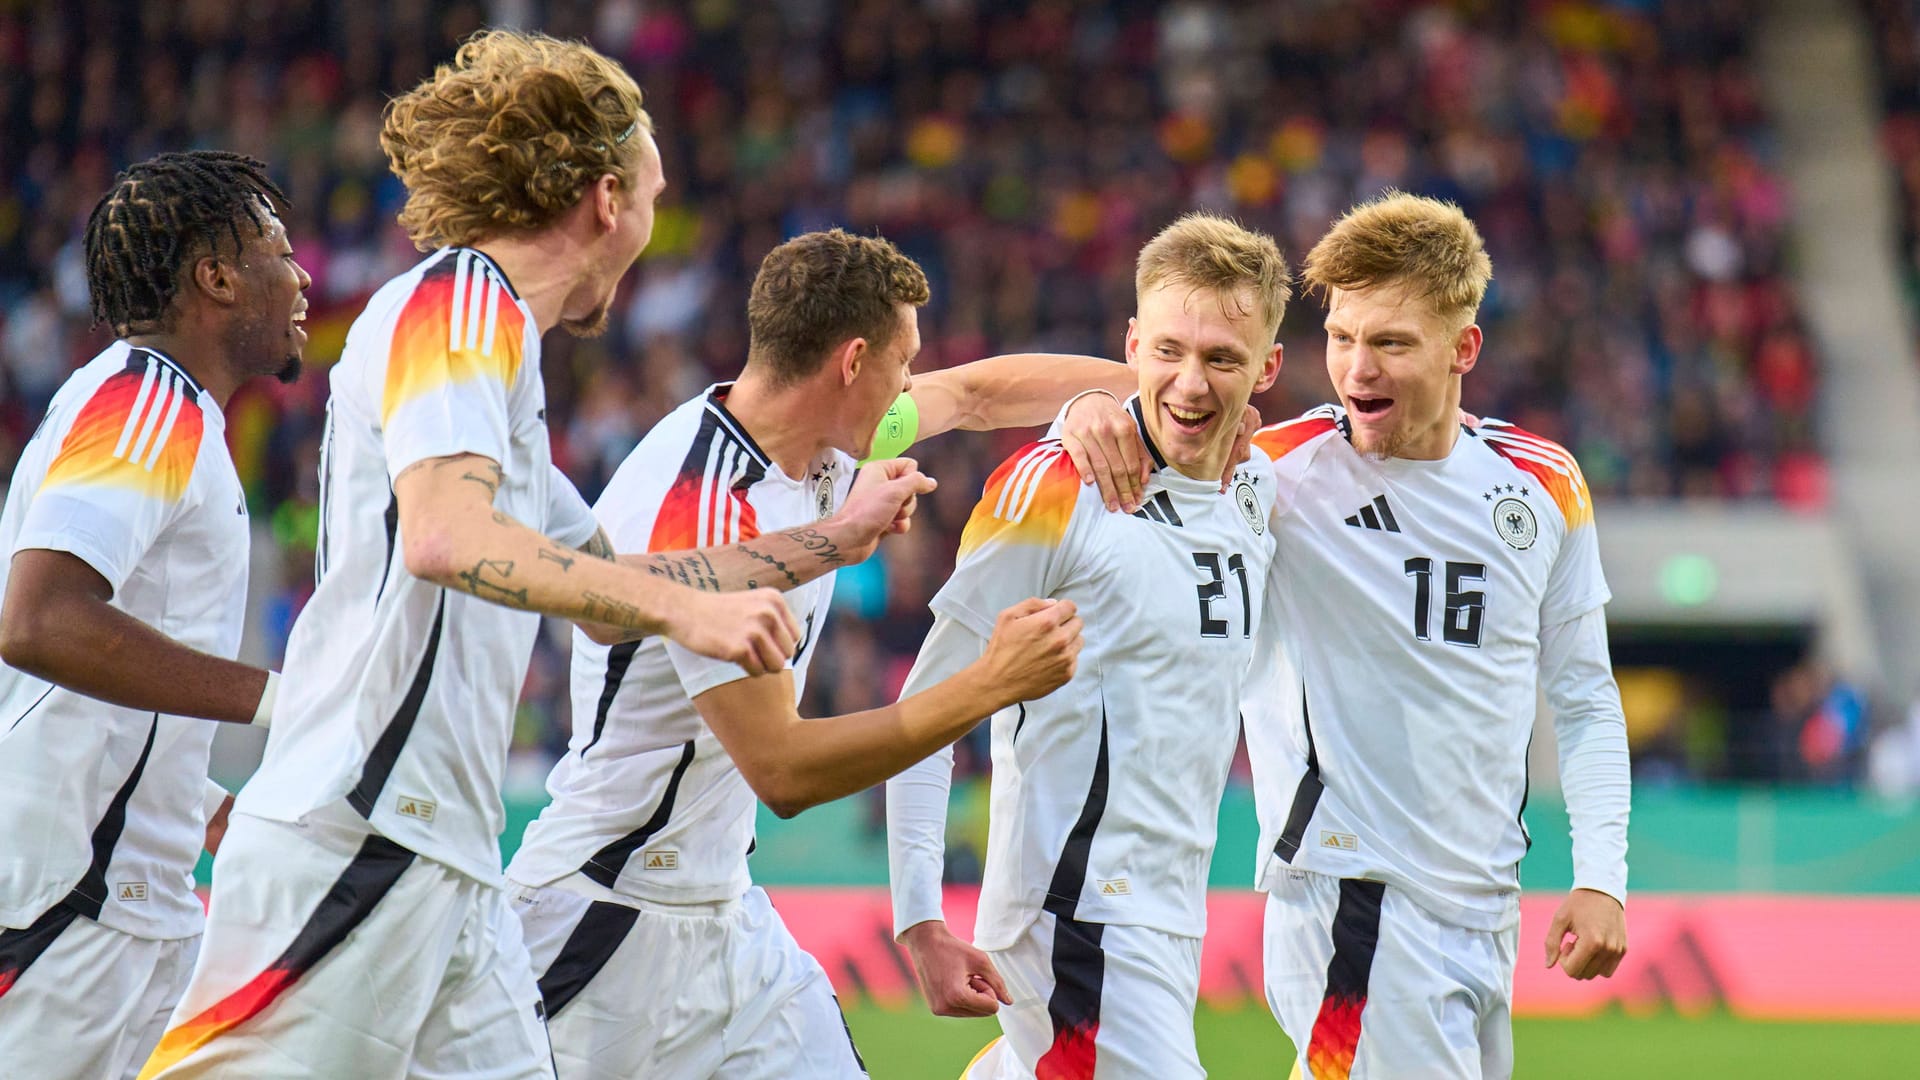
(299, 318)
(1190, 421)
(1369, 406)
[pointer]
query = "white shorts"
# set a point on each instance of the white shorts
(680, 991)
(1368, 984)
(334, 952)
(1092, 1000)
(81, 1002)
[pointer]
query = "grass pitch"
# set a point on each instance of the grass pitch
(1245, 1044)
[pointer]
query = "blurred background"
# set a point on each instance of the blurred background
(1704, 219)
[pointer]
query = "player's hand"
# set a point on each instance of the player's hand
(1588, 935)
(955, 978)
(217, 826)
(1104, 445)
(1242, 444)
(1034, 651)
(753, 629)
(884, 497)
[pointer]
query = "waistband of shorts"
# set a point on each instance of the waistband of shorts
(586, 888)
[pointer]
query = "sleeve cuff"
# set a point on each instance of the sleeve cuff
(212, 799)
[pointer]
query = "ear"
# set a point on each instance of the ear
(847, 358)
(1270, 370)
(217, 278)
(1133, 342)
(605, 194)
(1466, 350)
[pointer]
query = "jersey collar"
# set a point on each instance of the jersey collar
(137, 359)
(717, 406)
(1140, 421)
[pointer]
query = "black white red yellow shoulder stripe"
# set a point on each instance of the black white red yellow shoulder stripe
(1546, 461)
(1028, 500)
(1279, 440)
(140, 430)
(459, 323)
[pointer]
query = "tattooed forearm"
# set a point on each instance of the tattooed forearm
(488, 477)
(818, 544)
(552, 555)
(608, 611)
(600, 547)
(692, 569)
(487, 580)
(793, 579)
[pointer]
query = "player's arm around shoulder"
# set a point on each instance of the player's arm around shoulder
(1103, 442)
(1014, 390)
(452, 536)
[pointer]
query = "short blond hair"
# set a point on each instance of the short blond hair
(509, 136)
(1205, 251)
(1411, 240)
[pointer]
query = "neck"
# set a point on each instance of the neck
(1435, 441)
(544, 267)
(784, 420)
(208, 365)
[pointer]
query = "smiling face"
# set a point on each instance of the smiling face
(1200, 356)
(591, 303)
(1396, 363)
(267, 336)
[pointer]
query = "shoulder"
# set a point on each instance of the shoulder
(1553, 466)
(1029, 498)
(1279, 440)
(135, 416)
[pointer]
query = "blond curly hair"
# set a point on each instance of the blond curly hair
(509, 136)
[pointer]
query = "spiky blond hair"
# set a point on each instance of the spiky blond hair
(1397, 239)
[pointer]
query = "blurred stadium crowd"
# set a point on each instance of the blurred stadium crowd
(1615, 154)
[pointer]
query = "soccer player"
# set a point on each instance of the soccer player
(1105, 793)
(358, 927)
(125, 595)
(657, 955)
(1430, 576)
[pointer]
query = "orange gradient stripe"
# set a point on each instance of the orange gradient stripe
(87, 454)
(234, 1009)
(423, 359)
(1564, 482)
(1279, 440)
(1028, 500)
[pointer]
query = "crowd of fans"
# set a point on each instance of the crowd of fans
(1615, 155)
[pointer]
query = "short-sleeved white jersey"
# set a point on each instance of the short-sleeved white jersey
(103, 806)
(646, 801)
(399, 695)
(1106, 792)
(1394, 691)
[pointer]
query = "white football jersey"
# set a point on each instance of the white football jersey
(399, 695)
(1106, 792)
(646, 801)
(103, 806)
(1394, 692)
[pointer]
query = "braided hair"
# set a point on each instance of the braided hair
(160, 214)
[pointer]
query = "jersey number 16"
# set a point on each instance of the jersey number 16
(1460, 624)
